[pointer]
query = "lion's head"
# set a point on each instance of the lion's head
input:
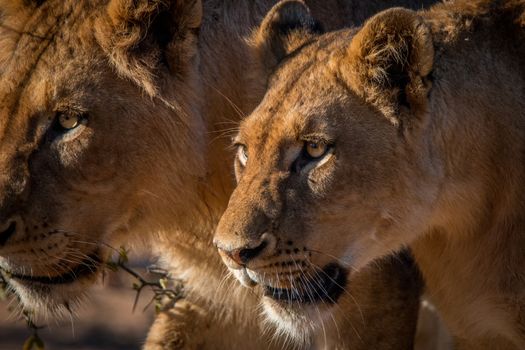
(328, 178)
(88, 130)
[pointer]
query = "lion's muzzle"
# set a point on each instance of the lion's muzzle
(239, 256)
(36, 253)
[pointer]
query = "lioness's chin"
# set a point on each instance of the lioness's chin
(299, 321)
(44, 299)
(298, 312)
(55, 294)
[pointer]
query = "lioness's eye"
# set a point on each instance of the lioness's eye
(68, 121)
(314, 154)
(67, 126)
(242, 154)
(315, 149)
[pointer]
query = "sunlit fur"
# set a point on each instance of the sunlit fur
(277, 202)
(425, 112)
(152, 164)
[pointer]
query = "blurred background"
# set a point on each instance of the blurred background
(104, 321)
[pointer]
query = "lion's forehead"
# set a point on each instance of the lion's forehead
(40, 42)
(42, 52)
(304, 93)
(294, 106)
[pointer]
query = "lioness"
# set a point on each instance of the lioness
(411, 132)
(110, 113)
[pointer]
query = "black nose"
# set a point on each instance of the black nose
(7, 233)
(248, 254)
(243, 255)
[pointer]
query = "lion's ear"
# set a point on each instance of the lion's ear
(285, 28)
(142, 37)
(389, 62)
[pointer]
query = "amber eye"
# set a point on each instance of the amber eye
(68, 121)
(242, 155)
(315, 149)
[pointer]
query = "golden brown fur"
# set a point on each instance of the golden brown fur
(390, 320)
(147, 159)
(419, 119)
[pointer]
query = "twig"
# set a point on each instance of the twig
(34, 342)
(166, 290)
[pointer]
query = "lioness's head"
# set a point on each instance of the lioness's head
(93, 111)
(327, 176)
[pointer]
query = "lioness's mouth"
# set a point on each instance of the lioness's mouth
(89, 266)
(326, 287)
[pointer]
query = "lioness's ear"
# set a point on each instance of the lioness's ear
(389, 61)
(285, 28)
(142, 37)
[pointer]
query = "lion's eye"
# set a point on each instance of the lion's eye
(68, 121)
(242, 155)
(313, 154)
(67, 126)
(315, 149)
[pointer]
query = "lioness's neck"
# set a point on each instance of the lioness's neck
(477, 237)
(481, 137)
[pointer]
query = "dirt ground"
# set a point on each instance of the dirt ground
(105, 321)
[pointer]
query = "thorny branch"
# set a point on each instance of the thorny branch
(34, 342)
(166, 289)
(166, 292)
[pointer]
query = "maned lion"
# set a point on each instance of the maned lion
(410, 131)
(109, 117)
